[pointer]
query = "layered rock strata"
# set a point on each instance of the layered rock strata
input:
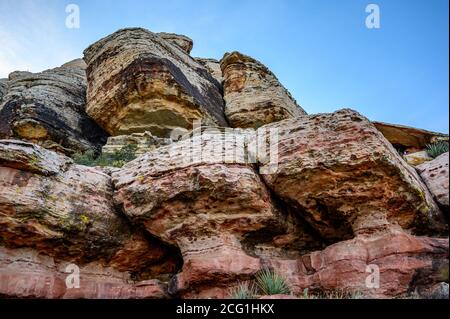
(138, 82)
(48, 109)
(253, 95)
(66, 211)
(435, 175)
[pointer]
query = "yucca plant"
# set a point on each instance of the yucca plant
(271, 283)
(438, 148)
(243, 291)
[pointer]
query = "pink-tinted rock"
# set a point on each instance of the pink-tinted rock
(435, 175)
(24, 273)
(66, 210)
(403, 261)
(342, 176)
(278, 297)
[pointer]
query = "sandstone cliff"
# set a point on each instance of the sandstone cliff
(317, 199)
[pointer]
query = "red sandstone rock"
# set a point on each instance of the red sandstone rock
(401, 258)
(66, 210)
(24, 273)
(341, 175)
(435, 175)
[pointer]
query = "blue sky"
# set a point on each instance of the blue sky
(320, 50)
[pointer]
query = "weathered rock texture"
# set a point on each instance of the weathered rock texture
(182, 41)
(138, 82)
(213, 66)
(324, 200)
(145, 142)
(407, 137)
(345, 178)
(405, 263)
(66, 211)
(48, 108)
(417, 158)
(204, 207)
(3, 86)
(24, 273)
(435, 174)
(253, 95)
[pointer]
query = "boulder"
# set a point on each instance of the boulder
(48, 109)
(25, 273)
(417, 158)
(66, 211)
(405, 137)
(204, 205)
(435, 175)
(138, 82)
(344, 178)
(182, 41)
(77, 64)
(253, 95)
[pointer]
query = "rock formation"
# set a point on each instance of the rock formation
(182, 41)
(24, 273)
(48, 109)
(204, 207)
(139, 82)
(3, 85)
(406, 137)
(213, 66)
(323, 200)
(435, 175)
(253, 95)
(66, 211)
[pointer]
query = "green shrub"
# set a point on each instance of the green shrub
(271, 283)
(438, 148)
(243, 291)
(116, 159)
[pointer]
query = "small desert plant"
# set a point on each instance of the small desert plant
(243, 291)
(271, 283)
(438, 148)
(335, 294)
(116, 159)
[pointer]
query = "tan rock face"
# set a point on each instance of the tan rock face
(204, 207)
(253, 95)
(66, 210)
(417, 158)
(145, 142)
(182, 41)
(435, 175)
(345, 178)
(213, 66)
(401, 262)
(48, 109)
(24, 273)
(139, 82)
(407, 137)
